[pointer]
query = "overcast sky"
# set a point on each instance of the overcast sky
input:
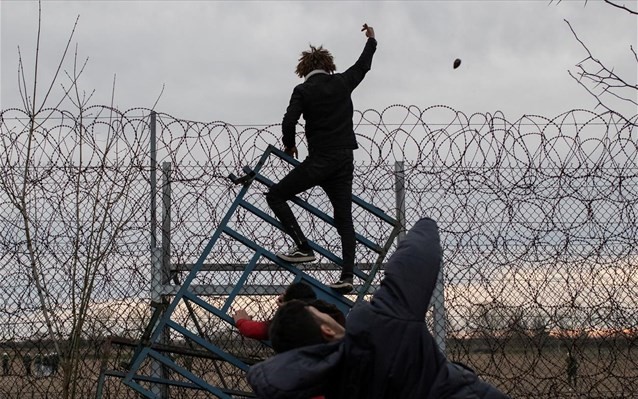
(234, 60)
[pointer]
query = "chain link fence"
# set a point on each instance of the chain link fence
(537, 216)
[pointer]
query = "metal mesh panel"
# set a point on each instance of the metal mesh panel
(538, 221)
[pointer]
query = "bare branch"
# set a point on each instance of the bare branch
(560, 1)
(65, 91)
(59, 68)
(603, 78)
(577, 38)
(614, 4)
(22, 199)
(22, 83)
(158, 97)
(113, 90)
(80, 101)
(37, 56)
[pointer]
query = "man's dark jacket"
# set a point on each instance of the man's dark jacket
(388, 351)
(325, 103)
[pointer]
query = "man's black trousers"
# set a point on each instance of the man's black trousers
(331, 170)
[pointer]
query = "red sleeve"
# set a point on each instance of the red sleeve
(253, 329)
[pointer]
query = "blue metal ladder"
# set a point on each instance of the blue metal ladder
(162, 317)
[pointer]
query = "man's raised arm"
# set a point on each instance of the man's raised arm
(355, 74)
(411, 273)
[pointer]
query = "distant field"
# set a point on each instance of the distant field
(602, 373)
(525, 373)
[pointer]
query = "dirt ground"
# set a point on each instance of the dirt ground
(600, 373)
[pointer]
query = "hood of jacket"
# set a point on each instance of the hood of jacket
(299, 373)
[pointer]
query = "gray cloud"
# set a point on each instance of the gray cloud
(234, 61)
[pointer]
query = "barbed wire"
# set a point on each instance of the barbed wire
(538, 219)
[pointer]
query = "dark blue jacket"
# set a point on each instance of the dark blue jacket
(325, 103)
(388, 351)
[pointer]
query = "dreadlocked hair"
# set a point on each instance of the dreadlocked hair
(315, 58)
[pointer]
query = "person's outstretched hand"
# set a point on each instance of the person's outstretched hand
(368, 29)
(292, 151)
(241, 314)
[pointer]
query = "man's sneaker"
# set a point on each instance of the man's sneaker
(343, 286)
(297, 255)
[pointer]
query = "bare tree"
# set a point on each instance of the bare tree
(600, 80)
(70, 179)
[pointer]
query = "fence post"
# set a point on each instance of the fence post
(156, 297)
(438, 295)
(166, 222)
(438, 308)
(153, 181)
(399, 189)
(157, 270)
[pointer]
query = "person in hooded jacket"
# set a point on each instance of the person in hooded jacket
(386, 349)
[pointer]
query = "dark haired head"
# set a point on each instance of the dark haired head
(315, 58)
(329, 309)
(293, 326)
(300, 291)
